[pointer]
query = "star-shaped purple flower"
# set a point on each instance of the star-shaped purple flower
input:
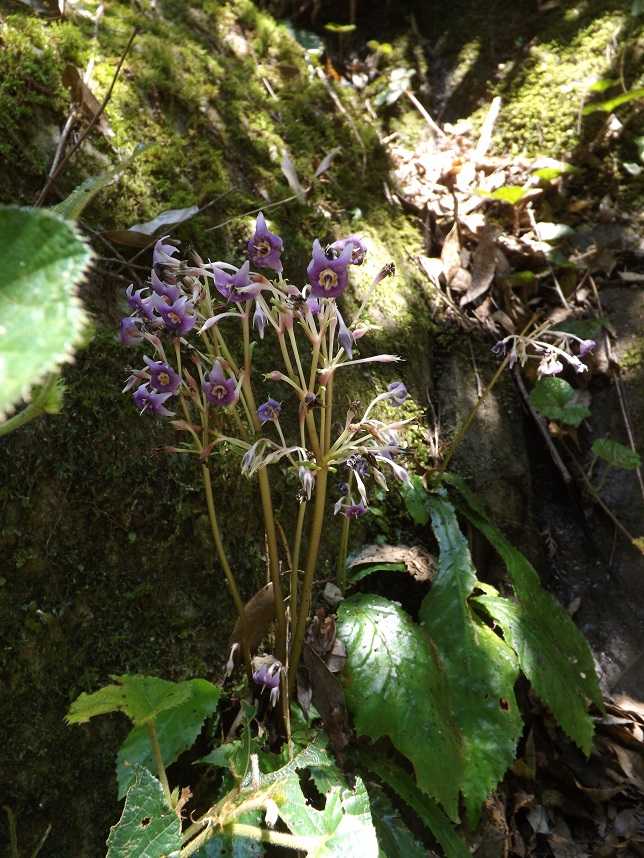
(163, 378)
(269, 410)
(354, 510)
(169, 291)
(358, 248)
(235, 287)
(328, 277)
(220, 390)
(264, 248)
(150, 401)
(178, 317)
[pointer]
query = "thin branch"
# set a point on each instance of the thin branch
(55, 173)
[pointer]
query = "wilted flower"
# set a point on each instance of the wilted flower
(163, 253)
(358, 464)
(328, 277)
(358, 248)
(397, 392)
(150, 401)
(130, 333)
(163, 378)
(235, 287)
(264, 248)
(178, 317)
(269, 410)
(220, 390)
(307, 481)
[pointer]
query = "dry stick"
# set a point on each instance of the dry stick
(109, 244)
(487, 129)
(533, 224)
(618, 386)
(436, 130)
(541, 423)
(55, 173)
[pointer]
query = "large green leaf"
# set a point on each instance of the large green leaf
(556, 399)
(426, 809)
(616, 454)
(141, 698)
(481, 668)
(415, 497)
(148, 828)
(41, 317)
(342, 830)
(176, 728)
(397, 687)
(552, 652)
(394, 837)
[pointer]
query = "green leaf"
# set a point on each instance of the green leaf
(637, 8)
(397, 687)
(416, 499)
(176, 728)
(343, 829)
(141, 698)
(603, 84)
(610, 105)
(552, 652)
(481, 668)
(357, 573)
(616, 454)
(425, 808)
(221, 846)
(313, 755)
(512, 194)
(394, 837)
(586, 329)
(148, 828)
(555, 398)
(41, 318)
(340, 28)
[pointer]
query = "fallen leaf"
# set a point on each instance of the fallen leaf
(288, 168)
(260, 613)
(420, 564)
(171, 217)
(85, 99)
(451, 254)
(483, 265)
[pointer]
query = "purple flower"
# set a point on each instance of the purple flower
(144, 306)
(268, 676)
(358, 248)
(260, 320)
(220, 390)
(549, 365)
(307, 481)
(328, 277)
(354, 510)
(358, 464)
(235, 287)
(178, 317)
(397, 392)
(147, 400)
(585, 347)
(269, 410)
(163, 253)
(169, 291)
(265, 247)
(163, 378)
(130, 333)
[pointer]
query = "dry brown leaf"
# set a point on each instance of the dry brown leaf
(85, 99)
(420, 564)
(451, 254)
(328, 698)
(260, 613)
(483, 265)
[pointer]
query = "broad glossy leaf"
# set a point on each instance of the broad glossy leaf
(141, 698)
(177, 730)
(394, 837)
(481, 668)
(344, 828)
(555, 398)
(396, 687)
(552, 652)
(616, 454)
(41, 317)
(425, 808)
(148, 828)
(415, 497)
(313, 755)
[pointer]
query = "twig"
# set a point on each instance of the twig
(541, 423)
(436, 130)
(109, 245)
(534, 226)
(55, 173)
(487, 129)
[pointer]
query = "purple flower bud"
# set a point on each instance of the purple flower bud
(345, 337)
(585, 347)
(147, 400)
(268, 676)
(163, 378)
(260, 320)
(397, 392)
(178, 317)
(264, 248)
(130, 331)
(269, 410)
(499, 348)
(328, 277)
(358, 248)
(220, 390)
(358, 464)
(163, 253)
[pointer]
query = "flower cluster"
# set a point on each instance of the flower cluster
(553, 350)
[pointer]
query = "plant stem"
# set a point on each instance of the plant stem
(260, 835)
(309, 573)
(342, 555)
(299, 527)
(230, 578)
(158, 760)
(36, 408)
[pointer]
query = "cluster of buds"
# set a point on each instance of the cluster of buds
(187, 312)
(553, 350)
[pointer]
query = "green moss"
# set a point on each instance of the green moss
(634, 355)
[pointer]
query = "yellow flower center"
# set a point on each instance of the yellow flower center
(328, 279)
(219, 391)
(164, 378)
(263, 248)
(174, 318)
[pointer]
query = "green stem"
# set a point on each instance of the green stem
(260, 835)
(230, 578)
(342, 555)
(309, 573)
(36, 408)
(296, 558)
(158, 760)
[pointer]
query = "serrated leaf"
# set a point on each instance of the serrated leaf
(344, 828)
(148, 828)
(481, 668)
(397, 687)
(141, 698)
(416, 499)
(314, 754)
(423, 806)
(552, 652)
(617, 455)
(555, 398)
(176, 728)
(394, 837)
(610, 104)
(41, 318)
